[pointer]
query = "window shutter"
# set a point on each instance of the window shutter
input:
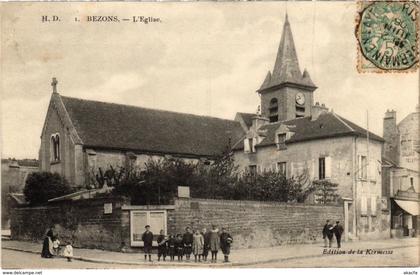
(372, 170)
(246, 145)
(292, 170)
(373, 206)
(311, 169)
(363, 206)
(328, 166)
(254, 142)
(359, 166)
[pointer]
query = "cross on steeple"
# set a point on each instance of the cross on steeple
(54, 84)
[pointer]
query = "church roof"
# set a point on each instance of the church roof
(286, 68)
(247, 118)
(328, 125)
(124, 127)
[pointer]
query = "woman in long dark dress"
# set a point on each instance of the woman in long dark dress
(47, 246)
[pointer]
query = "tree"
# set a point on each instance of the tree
(157, 183)
(42, 186)
(272, 186)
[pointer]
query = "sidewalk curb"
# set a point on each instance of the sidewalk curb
(183, 264)
(306, 257)
(140, 263)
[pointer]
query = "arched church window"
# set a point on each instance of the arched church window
(273, 110)
(55, 147)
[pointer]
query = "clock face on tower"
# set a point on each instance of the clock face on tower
(300, 98)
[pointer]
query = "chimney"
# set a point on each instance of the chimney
(258, 121)
(317, 110)
(391, 136)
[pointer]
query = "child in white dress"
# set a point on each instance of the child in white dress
(56, 246)
(68, 251)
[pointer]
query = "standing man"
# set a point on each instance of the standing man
(330, 234)
(325, 231)
(147, 239)
(225, 242)
(338, 231)
(187, 239)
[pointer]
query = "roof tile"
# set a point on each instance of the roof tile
(326, 126)
(109, 125)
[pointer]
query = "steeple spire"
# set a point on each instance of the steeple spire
(286, 68)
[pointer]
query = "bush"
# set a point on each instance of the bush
(158, 182)
(42, 186)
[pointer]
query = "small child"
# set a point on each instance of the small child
(179, 247)
(225, 243)
(187, 239)
(162, 246)
(68, 251)
(171, 247)
(56, 246)
(147, 239)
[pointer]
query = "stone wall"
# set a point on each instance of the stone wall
(82, 221)
(251, 223)
(255, 224)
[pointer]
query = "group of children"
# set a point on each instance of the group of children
(68, 249)
(51, 246)
(191, 242)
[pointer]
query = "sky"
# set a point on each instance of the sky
(204, 58)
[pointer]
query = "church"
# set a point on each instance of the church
(290, 134)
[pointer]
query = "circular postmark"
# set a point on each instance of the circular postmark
(388, 35)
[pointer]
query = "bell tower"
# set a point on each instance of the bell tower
(286, 93)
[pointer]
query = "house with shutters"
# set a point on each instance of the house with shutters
(290, 134)
(401, 172)
(293, 135)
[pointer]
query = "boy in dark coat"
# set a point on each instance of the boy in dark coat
(338, 231)
(179, 247)
(147, 239)
(162, 246)
(225, 242)
(325, 231)
(206, 246)
(188, 241)
(171, 247)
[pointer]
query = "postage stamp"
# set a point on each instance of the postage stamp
(387, 35)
